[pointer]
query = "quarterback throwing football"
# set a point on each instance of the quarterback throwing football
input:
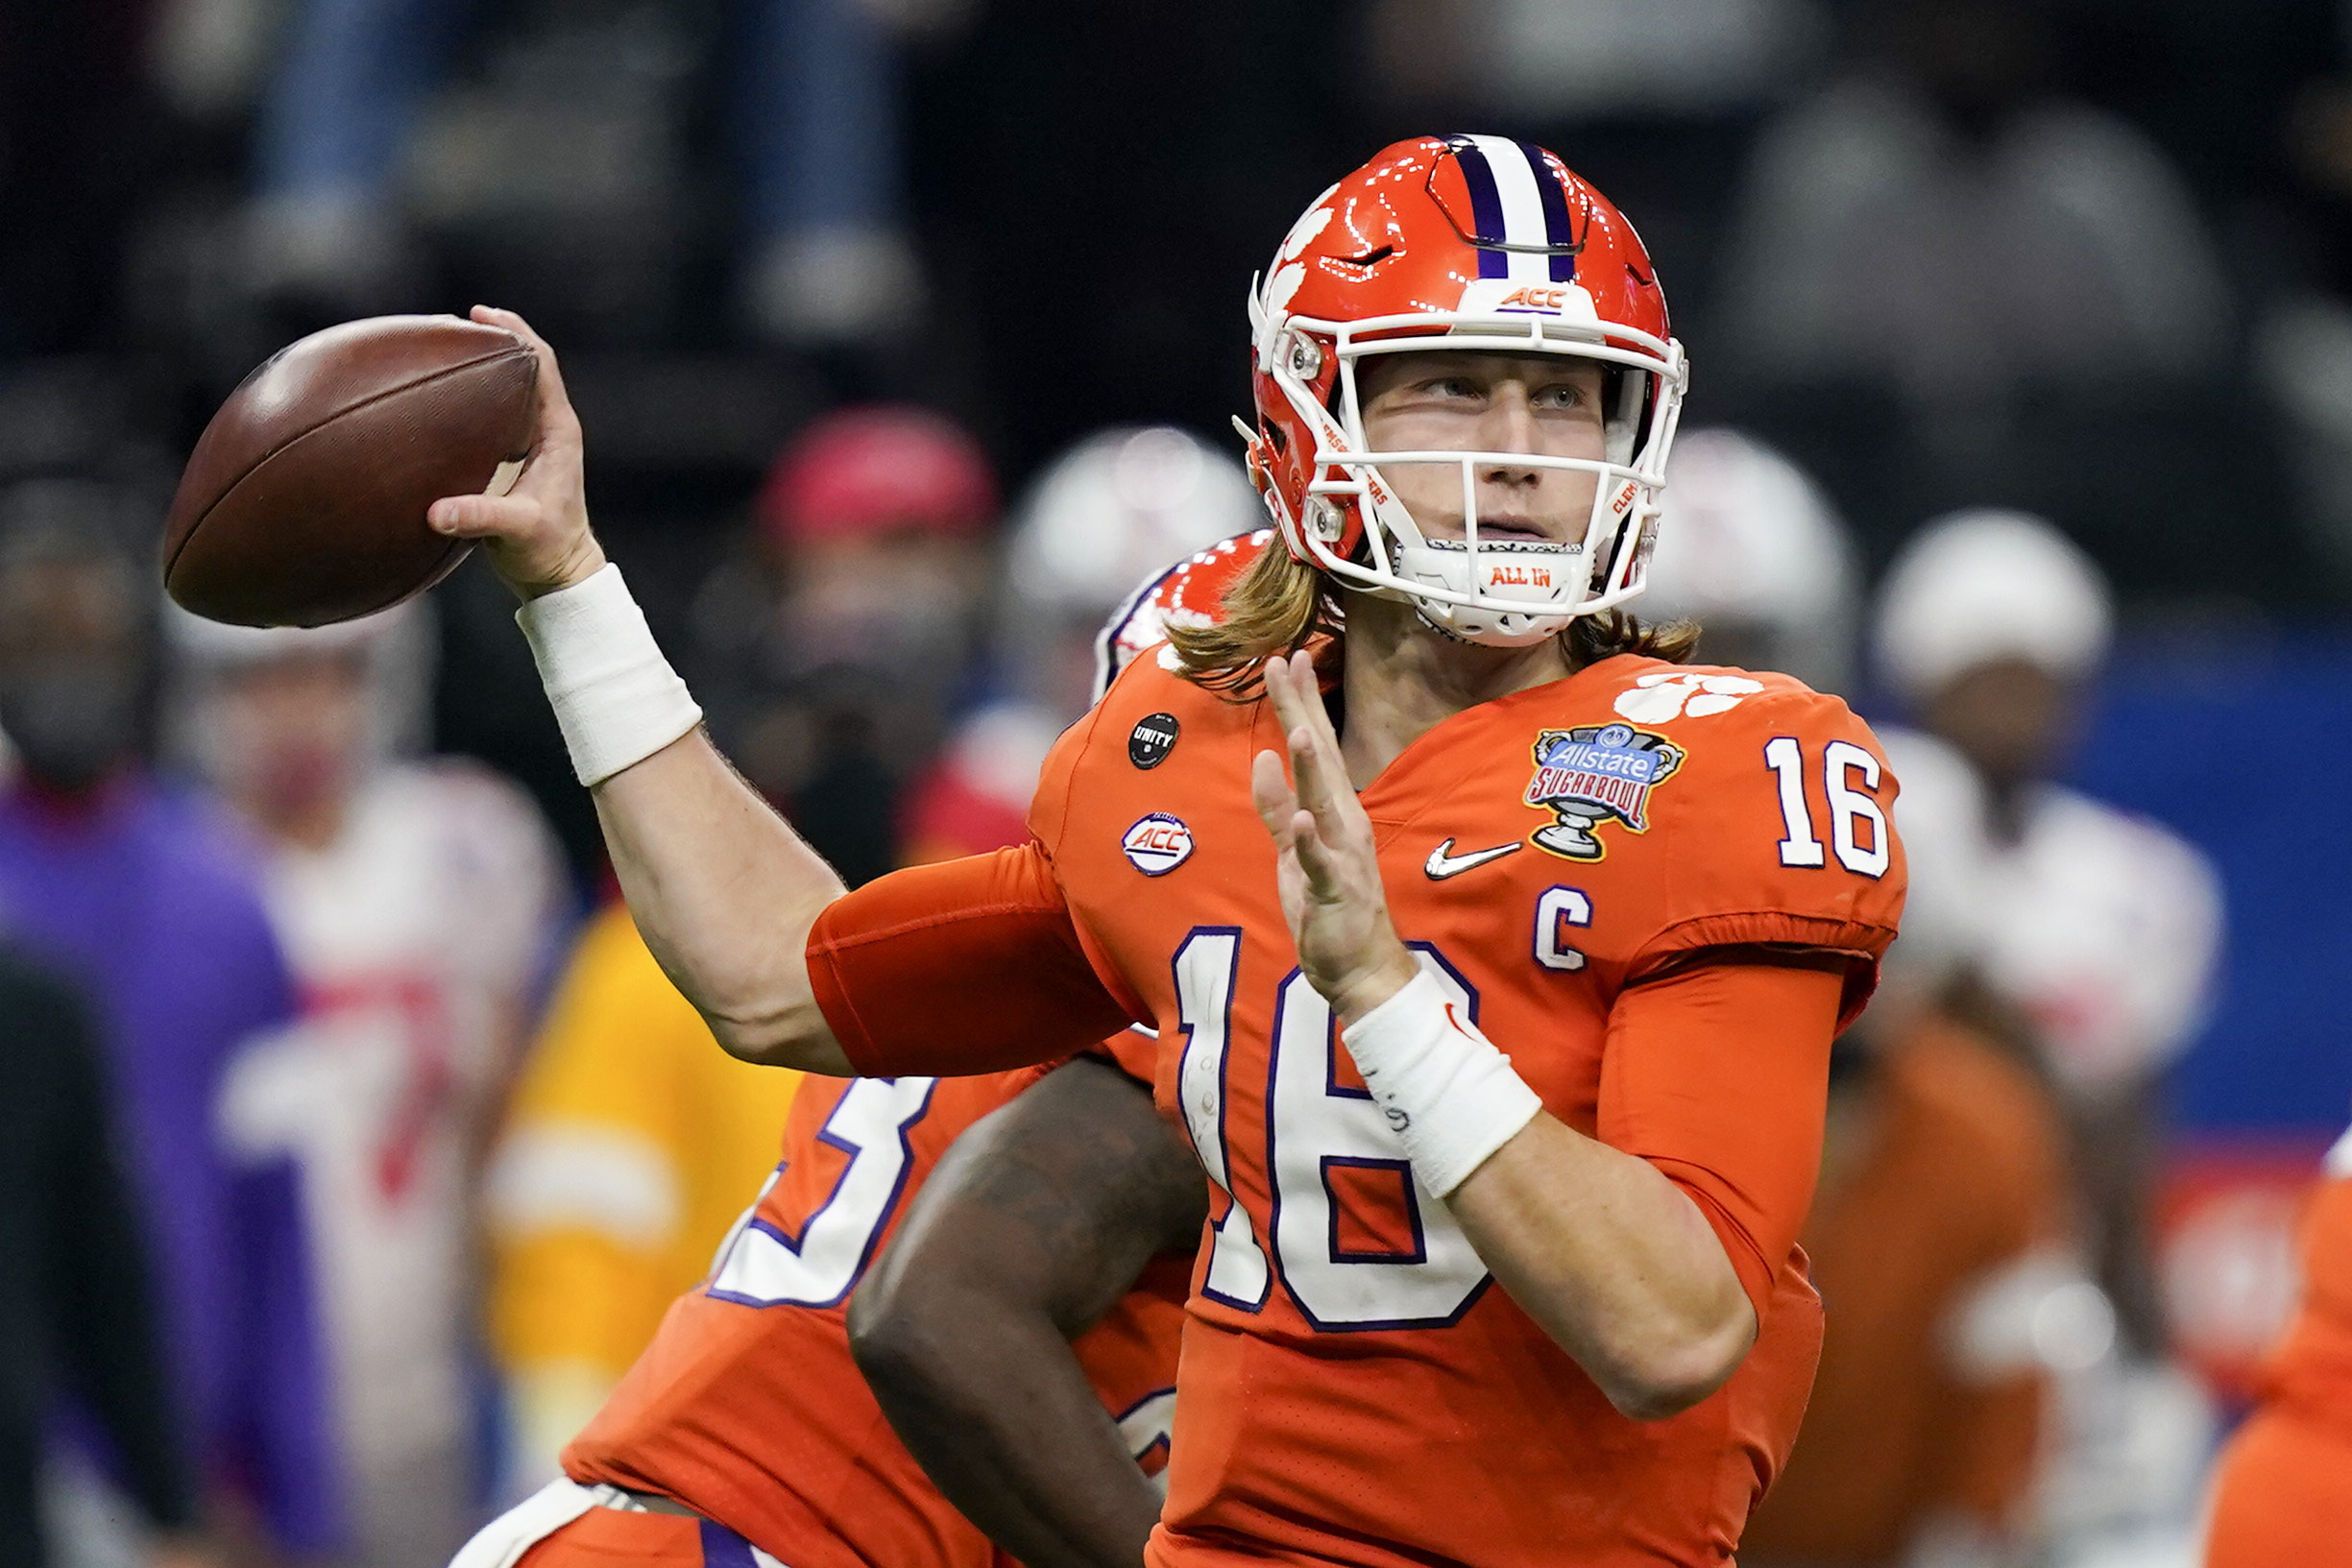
(1494, 951)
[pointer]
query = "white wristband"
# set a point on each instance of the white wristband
(615, 697)
(1451, 1097)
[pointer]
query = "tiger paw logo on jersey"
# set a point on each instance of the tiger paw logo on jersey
(1592, 774)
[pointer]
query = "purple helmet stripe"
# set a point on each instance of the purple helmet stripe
(1485, 208)
(1555, 213)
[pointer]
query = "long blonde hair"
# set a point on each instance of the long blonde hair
(1282, 604)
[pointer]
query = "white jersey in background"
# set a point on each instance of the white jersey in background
(415, 939)
(2101, 926)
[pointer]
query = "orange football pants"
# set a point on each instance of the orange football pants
(2283, 1498)
(610, 1537)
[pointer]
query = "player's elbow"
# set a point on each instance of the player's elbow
(791, 1033)
(1669, 1372)
(896, 1346)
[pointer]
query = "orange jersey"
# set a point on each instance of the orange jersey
(2284, 1492)
(1355, 1390)
(1951, 1183)
(747, 1407)
(2312, 1371)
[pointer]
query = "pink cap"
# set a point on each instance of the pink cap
(867, 469)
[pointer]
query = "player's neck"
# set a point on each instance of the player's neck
(1404, 678)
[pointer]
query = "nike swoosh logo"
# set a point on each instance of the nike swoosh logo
(1443, 862)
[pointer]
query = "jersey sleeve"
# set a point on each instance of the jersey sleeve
(966, 965)
(1780, 832)
(1718, 1076)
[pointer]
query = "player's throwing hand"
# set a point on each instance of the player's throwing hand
(536, 535)
(1326, 865)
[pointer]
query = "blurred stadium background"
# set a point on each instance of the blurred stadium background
(839, 277)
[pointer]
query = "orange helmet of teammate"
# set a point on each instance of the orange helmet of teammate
(1453, 243)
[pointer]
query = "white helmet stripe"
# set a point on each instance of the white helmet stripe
(1523, 201)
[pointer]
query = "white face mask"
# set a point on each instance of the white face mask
(1498, 592)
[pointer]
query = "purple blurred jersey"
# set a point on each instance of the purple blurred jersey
(142, 894)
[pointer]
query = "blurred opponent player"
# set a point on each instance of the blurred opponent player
(1459, 1307)
(1112, 511)
(1933, 1230)
(2087, 933)
(1749, 548)
(2284, 1492)
(140, 891)
(416, 900)
(745, 1427)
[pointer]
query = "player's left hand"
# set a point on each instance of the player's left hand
(1326, 865)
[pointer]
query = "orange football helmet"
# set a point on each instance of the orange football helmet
(1447, 243)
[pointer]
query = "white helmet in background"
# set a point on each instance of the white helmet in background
(1982, 585)
(1109, 514)
(396, 646)
(1750, 549)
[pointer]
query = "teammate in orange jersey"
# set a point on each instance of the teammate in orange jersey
(745, 1435)
(744, 1428)
(2284, 1488)
(1451, 1304)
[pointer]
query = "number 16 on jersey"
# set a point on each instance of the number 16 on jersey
(1328, 1155)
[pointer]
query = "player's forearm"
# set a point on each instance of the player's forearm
(1038, 1220)
(1013, 1435)
(1599, 1247)
(1613, 1261)
(724, 893)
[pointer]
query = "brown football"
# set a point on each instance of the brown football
(304, 502)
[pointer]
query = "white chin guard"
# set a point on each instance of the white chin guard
(1544, 577)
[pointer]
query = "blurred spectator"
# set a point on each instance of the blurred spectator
(829, 257)
(1109, 517)
(1943, 223)
(2089, 934)
(417, 902)
(2284, 1488)
(77, 144)
(631, 1144)
(1951, 283)
(1559, 60)
(1750, 549)
(2303, 340)
(832, 646)
(77, 1307)
(143, 896)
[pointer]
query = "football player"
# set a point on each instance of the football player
(1450, 1304)
(1750, 548)
(416, 900)
(1114, 509)
(745, 1428)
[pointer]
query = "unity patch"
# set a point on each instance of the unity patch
(1153, 739)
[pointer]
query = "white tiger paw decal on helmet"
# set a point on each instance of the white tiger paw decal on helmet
(1661, 696)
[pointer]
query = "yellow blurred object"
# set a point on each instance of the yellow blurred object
(633, 1144)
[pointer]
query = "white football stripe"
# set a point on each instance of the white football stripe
(1514, 185)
